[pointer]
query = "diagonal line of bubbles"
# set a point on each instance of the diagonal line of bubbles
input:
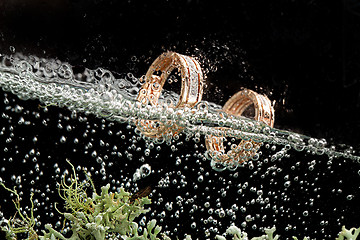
(99, 92)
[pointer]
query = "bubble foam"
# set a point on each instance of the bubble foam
(100, 93)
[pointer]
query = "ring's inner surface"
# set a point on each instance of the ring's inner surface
(243, 106)
(249, 111)
(172, 88)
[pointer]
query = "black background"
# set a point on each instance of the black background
(304, 54)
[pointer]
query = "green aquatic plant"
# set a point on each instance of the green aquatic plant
(107, 215)
(21, 223)
(241, 235)
(104, 215)
(237, 234)
(352, 233)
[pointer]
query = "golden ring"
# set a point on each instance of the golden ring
(244, 103)
(155, 78)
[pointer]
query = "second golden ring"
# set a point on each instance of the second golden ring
(246, 103)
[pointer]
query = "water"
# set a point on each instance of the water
(53, 112)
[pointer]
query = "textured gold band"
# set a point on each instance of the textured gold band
(191, 89)
(241, 104)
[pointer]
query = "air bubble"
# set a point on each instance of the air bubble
(63, 139)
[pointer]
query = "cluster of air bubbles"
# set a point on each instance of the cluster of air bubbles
(142, 172)
(100, 93)
(186, 193)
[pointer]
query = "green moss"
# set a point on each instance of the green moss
(21, 224)
(102, 215)
(108, 215)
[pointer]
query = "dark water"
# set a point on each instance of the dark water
(304, 55)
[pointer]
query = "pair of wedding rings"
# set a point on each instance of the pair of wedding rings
(191, 94)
